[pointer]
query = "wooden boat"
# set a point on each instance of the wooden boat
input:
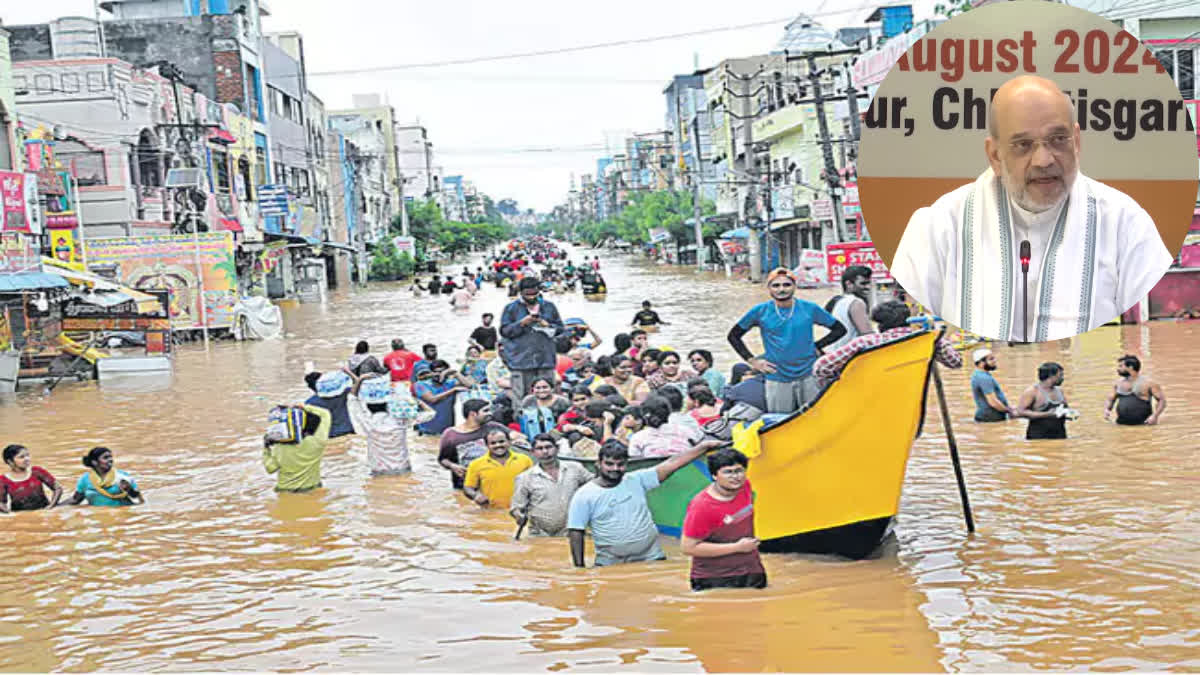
(826, 479)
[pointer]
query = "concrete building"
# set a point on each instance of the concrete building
(688, 120)
(9, 151)
(368, 134)
(346, 213)
(422, 178)
(454, 202)
(383, 117)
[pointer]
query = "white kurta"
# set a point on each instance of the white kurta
(1092, 259)
(387, 438)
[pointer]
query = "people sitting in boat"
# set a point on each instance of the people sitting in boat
(383, 416)
(628, 385)
(294, 446)
(363, 362)
(718, 528)
(474, 365)
(679, 417)
(330, 391)
(543, 494)
(745, 399)
(630, 420)
(490, 479)
(579, 397)
(702, 362)
(648, 360)
(892, 318)
(104, 484)
(1133, 393)
(585, 435)
(702, 404)
(659, 438)
(1045, 405)
(668, 372)
(23, 487)
(592, 283)
(641, 342)
(574, 373)
(613, 506)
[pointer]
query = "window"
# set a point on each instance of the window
(256, 102)
(43, 84)
(95, 81)
(220, 164)
(281, 174)
(260, 166)
(277, 99)
(1179, 64)
(70, 83)
(246, 194)
(88, 164)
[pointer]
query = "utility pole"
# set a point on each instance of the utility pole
(701, 251)
(747, 119)
(831, 174)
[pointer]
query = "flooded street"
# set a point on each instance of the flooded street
(1087, 554)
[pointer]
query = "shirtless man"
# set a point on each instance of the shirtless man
(1132, 395)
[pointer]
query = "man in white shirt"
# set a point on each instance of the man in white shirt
(1093, 251)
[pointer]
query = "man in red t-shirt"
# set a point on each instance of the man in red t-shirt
(400, 361)
(718, 530)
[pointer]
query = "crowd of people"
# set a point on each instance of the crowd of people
(536, 396)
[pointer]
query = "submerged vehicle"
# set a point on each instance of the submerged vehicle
(825, 481)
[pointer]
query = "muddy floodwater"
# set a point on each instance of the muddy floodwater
(1087, 554)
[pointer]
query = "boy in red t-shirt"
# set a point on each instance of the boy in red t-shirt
(718, 530)
(400, 361)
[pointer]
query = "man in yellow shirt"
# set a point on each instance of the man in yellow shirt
(490, 479)
(299, 464)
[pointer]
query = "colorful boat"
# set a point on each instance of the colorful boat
(826, 479)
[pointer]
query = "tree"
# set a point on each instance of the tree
(429, 228)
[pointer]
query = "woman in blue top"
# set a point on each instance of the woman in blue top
(104, 484)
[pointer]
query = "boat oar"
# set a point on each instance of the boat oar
(958, 473)
(70, 367)
(521, 525)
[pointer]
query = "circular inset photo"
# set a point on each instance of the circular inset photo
(1028, 170)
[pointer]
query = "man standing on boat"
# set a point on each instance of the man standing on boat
(850, 308)
(786, 326)
(614, 506)
(1133, 393)
(991, 405)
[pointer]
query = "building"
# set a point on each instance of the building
(382, 117)
(422, 178)
(690, 127)
(9, 152)
(346, 210)
(369, 137)
(454, 201)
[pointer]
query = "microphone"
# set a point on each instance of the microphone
(1026, 254)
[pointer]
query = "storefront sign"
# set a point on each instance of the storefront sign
(18, 253)
(840, 256)
(405, 245)
(272, 200)
(659, 234)
(12, 203)
(822, 209)
(79, 308)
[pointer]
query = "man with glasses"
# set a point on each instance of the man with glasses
(1093, 251)
(785, 324)
(718, 529)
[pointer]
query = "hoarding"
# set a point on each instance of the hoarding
(168, 262)
(840, 256)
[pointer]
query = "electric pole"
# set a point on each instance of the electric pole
(831, 173)
(748, 204)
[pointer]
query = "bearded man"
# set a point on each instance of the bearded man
(1093, 253)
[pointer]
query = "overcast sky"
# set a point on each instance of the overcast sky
(486, 118)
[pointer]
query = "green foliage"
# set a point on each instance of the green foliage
(949, 9)
(384, 262)
(646, 211)
(429, 228)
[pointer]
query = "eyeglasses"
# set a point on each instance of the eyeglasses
(1056, 143)
(731, 471)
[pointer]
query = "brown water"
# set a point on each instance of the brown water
(1087, 554)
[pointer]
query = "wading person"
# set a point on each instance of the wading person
(490, 479)
(991, 405)
(718, 528)
(464, 443)
(892, 317)
(331, 391)
(647, 318)
(437, 387)
(543, 493)
(485, 336)
(1094, 252)
(106, 485)
(23, 487)
(851, 307)
(613, 506)
(429, 354)
(529, 326)
(362, 362)
(1133, 393)
(299, 464)
(400, 361)
(386, 433)
(1045, 405)
(786, 324)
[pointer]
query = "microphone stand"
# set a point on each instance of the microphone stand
(1025, 256)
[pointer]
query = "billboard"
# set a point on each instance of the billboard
(840, 256)
(168, 262)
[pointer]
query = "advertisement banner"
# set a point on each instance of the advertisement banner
(272, 200)
(659, 234)
(12, 203)
(405, 245)
(62, 246)
(18, 253)
(272, 253)
(33, 205)
(822, 209)
(167, 262)
(840, 256)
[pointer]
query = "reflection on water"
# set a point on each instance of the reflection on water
(1086, 556)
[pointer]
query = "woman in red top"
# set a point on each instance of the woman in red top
(21, 488)
(718, 530)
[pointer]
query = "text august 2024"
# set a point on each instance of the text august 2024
(1096, 52)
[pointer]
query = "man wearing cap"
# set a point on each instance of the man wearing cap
(386, 433)
(990, 403)
(529, 326)
(785, 324)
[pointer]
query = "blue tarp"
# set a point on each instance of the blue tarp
(28, 281)
(738, 233)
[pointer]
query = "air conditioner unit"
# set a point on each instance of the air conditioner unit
(185, 178)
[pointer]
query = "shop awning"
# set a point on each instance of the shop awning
(231, 224)
(788, 222)
(221, 136)
(736, 233)
(30, 281)
(145, 301)
(339, 246)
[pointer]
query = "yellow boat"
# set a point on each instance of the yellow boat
(828, 478)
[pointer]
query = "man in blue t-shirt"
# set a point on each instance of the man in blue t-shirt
(786, 326)
(990, 402)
